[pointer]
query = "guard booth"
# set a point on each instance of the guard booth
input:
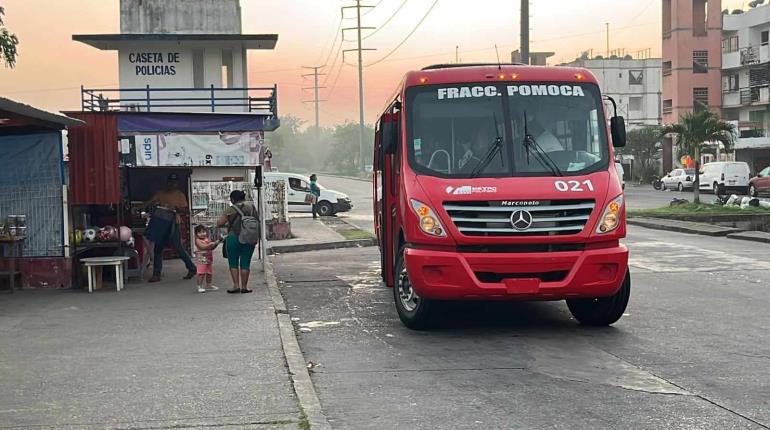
(184, 105)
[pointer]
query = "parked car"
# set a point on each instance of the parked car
(760, 184)
(298, 189)
(678, 179)
(725, 175)
(621, 174)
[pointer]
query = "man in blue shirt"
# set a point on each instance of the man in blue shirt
(315, 190)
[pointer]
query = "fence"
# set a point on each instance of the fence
(211, 199)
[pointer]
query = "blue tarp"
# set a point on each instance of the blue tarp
(31, 185)
(195, 122)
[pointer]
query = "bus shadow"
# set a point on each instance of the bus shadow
(531, 316)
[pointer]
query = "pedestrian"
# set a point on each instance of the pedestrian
(268, 160)
(163, 227)
(238, 254)
(204, 258)
(315, 190)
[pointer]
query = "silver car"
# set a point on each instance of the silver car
(678, 179)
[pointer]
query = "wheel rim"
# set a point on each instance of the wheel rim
(680, 187)
(716, 189)
(406, 295)
(325, 210)
(752, 191)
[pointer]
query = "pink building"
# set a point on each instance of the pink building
(692, 60)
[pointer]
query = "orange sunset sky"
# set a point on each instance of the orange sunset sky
(51, 67)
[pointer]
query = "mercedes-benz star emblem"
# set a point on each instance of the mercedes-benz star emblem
(521, 220)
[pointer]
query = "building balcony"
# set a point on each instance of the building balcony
(755, 95)
(731, 99)
(752, 143)
(260, 101)
(731, 60)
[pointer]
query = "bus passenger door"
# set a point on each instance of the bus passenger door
(386, 144)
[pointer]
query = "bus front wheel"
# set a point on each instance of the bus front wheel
(414, 311)
(602, 311)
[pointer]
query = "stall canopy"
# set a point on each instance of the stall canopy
(17, 118)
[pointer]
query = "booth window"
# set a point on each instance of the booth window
(198, 68)
(227, 68)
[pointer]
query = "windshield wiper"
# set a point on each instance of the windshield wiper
(488, 157)
(497, 145)
(539, 154)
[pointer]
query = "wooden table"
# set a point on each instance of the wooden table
(97, 263)
(12, 248)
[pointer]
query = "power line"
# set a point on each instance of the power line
(336, 78)
(435, 2)
(373, 7)
(337, 33)
(387, 20)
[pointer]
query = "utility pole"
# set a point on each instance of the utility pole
(360, 50)
(607, 25)
(315, 100)
(525, 31)
(457, 54)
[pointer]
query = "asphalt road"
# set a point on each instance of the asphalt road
(691, 351)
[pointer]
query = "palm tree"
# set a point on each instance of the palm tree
(695, 131)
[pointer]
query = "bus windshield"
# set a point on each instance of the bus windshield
(509, 129)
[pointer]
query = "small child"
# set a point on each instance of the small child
(204, 258)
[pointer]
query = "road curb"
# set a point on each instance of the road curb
(683, 226)
(308, 400)
(285, 249)
(751, 236)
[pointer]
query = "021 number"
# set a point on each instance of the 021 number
(565, 186)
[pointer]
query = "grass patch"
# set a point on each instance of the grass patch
(355, 234)
(696, 209)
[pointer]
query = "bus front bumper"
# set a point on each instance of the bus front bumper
(448, 275)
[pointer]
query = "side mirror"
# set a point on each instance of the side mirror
(618, 130)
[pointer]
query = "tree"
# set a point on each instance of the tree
(344, 154)
(694, 132)
(8, 43)
(641, 144)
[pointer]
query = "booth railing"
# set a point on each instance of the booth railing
(260, 100)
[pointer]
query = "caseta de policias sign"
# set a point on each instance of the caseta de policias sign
(154, 63)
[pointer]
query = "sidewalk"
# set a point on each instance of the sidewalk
(313, 235)
(151, 356)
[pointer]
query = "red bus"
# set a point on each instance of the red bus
(497, 182)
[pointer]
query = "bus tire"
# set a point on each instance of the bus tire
(414, 311)
(602, 311)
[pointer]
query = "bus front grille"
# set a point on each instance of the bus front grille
(529, 218)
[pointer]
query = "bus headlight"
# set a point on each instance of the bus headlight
(610, 219)
(429, 222)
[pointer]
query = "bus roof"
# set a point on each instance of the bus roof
(459, 73)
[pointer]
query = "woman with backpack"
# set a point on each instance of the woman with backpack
(242, 220)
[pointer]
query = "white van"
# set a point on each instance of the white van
(298, 189)
(725, 175)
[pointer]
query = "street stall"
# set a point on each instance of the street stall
(119, 160)
(33, 219)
